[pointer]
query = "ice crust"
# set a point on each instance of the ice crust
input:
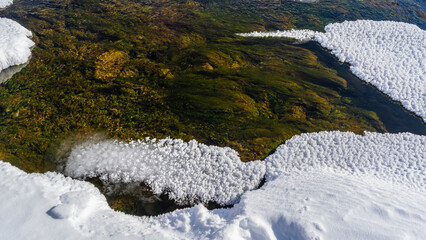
(389, 55)
(327, 185)
(189, 172)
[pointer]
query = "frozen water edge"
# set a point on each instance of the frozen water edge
(389, 55)
(327, 185)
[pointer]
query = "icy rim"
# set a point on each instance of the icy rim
(327, 185)
(389, 55)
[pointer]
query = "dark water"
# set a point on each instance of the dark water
(391, 113)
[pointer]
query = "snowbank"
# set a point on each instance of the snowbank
(189, 172)
(327, 185)
(389, 55)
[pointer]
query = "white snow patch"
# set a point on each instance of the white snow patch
(389, 55)
(301, 35)
(394, 158)
(189, 172)
(5, 3)
(357, 192)
(15, 45)
(322, 204)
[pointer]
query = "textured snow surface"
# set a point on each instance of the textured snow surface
(397, 158)
(327, 185)
(5, 3)
(389, 55)
(188, 171)
(15, 45)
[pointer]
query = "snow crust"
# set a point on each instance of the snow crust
(389, 55)
(189, 172)
(328, 185)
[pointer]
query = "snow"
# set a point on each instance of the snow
(389, 55)
(323, 204)
(302, 35)
(327, 185)
(398, 159)
(15, 45)
(5, 3)
(188, 171)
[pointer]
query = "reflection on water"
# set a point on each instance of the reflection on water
(7, 73)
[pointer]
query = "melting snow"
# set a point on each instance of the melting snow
(389, 55)
(327, 185)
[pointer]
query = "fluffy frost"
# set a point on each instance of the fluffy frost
(15, 45)
(187, 171)
(389, 55)
(327, 185)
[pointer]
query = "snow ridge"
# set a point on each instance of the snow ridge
(189, 172)
(389, 55)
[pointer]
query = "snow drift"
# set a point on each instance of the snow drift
(389, 55)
